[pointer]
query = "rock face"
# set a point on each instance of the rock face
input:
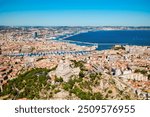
(64, 95)
(65, 71)
(61, 95)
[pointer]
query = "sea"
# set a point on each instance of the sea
(107, 39)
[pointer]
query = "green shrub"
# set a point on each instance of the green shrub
(58, 79)
(110, 91)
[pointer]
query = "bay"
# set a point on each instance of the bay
(107, 39)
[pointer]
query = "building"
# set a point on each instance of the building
(0, 50)
(35, 35)
(134, 76)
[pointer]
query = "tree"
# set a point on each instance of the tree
(98, 96)
(110, 91)
(29, 83)
(66, 86)
(148, 76)
(58, 79)
(81, 74)
(93, 76)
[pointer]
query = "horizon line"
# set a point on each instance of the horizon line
(78, 25)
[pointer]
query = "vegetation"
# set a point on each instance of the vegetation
(86, 95)
(39, 59)
(79, 64)
(35, 84)
(58, 79)
(119, 48)
(27, 85)
(69, 85)
(148, 76)
(110, 91)
(93, 76)
(77, 86)
(144, 72)
(81, 74)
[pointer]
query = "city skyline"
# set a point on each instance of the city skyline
(75, 13)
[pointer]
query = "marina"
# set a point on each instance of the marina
(52, 53)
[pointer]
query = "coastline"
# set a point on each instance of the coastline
(80, 38)
(122, 64)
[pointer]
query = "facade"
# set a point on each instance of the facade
(134, 76)
(35, 35)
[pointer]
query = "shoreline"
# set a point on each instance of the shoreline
(98, 45)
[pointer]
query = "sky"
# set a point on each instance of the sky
(75, 12)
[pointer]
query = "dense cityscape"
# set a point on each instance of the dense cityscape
(38, 63)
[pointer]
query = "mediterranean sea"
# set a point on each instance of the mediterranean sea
(107, 39)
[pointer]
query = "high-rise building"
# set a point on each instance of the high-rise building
(0, 50)
(35, 35)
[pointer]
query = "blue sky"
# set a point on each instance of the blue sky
(75, 12)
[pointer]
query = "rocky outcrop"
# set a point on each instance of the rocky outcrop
(65, 71)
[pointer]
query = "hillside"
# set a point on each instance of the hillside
(37, 84)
